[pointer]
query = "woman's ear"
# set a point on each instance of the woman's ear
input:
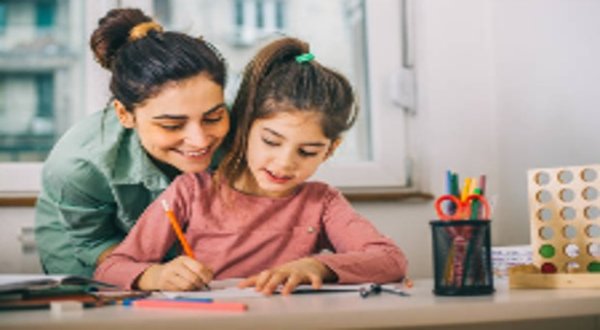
(126, 118)
(336, 143)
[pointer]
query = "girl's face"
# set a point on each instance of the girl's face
(284, 151)
(183, 125)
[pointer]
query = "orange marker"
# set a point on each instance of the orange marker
(175, 224)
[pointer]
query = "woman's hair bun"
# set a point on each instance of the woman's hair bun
(113, 32)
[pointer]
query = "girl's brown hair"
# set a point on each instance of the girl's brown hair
(275, 81)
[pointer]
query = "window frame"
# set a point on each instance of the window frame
(388, 167)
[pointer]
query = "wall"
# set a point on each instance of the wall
(547, 101)
(14, 258)
(503, 86)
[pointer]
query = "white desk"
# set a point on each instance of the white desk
(527, 309)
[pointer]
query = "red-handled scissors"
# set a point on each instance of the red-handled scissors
(463, 208)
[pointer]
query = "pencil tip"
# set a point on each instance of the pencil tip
(165, 205)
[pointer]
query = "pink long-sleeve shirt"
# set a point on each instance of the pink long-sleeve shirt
(242, 235)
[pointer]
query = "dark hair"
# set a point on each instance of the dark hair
(274, 81)
(143, 66)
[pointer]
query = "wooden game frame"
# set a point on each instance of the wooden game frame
(564, 213)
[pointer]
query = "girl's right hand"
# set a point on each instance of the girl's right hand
(180, 274)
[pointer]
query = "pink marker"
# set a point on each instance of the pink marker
(191, 305)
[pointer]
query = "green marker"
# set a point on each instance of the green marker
(475, 205)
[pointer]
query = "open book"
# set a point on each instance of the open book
(10, 283)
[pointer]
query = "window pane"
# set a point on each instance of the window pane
(45, 10)
(334, 28)
(40, 49)
(2, 17)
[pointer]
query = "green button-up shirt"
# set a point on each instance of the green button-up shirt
(95, 183)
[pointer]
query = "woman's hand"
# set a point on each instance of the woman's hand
(290, 275)
(105, 254)
(180, 274)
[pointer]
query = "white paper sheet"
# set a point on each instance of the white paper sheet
(228, 289)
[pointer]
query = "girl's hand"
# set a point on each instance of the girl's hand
(290, 275)
(180, 274)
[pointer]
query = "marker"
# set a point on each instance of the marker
(466, 189)
(204, 300)
(455, 192)
(482, 192)
(449, 206)
(129, 301)
(190, 305)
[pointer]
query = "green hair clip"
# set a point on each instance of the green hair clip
(306, 57)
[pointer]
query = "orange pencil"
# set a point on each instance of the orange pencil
(175, 224)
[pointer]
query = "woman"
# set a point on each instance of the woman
(167, 116)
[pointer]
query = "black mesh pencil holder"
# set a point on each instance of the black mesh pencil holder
(462, 261)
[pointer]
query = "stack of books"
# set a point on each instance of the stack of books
(33, 291)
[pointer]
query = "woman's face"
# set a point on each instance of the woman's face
(183, 125)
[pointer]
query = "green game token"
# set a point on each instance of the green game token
(547, 251)
(594, 267)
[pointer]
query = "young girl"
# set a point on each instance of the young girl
(257, 217)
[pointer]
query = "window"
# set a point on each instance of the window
(256, 19)
(2, 17)
(59, 83)
(358, 38)
(44, 14)
(41, 48)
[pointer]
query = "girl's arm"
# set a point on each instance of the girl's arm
(289, 275)
(136, 262)
(362, 254)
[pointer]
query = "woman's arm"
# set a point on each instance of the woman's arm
(75, 217)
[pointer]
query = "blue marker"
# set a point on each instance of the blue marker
(204, 300)
(129, 301)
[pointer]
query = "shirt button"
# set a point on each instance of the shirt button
(310, 229)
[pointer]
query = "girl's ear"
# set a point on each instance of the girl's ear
(336, 143)
(126, 118)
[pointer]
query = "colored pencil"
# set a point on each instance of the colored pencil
(175, 224)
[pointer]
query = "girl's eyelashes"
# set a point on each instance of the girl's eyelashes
(301, 152)
(305, 153)
(270, 142)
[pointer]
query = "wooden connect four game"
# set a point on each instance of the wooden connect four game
(564, 212)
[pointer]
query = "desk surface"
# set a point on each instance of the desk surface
(335, 310)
